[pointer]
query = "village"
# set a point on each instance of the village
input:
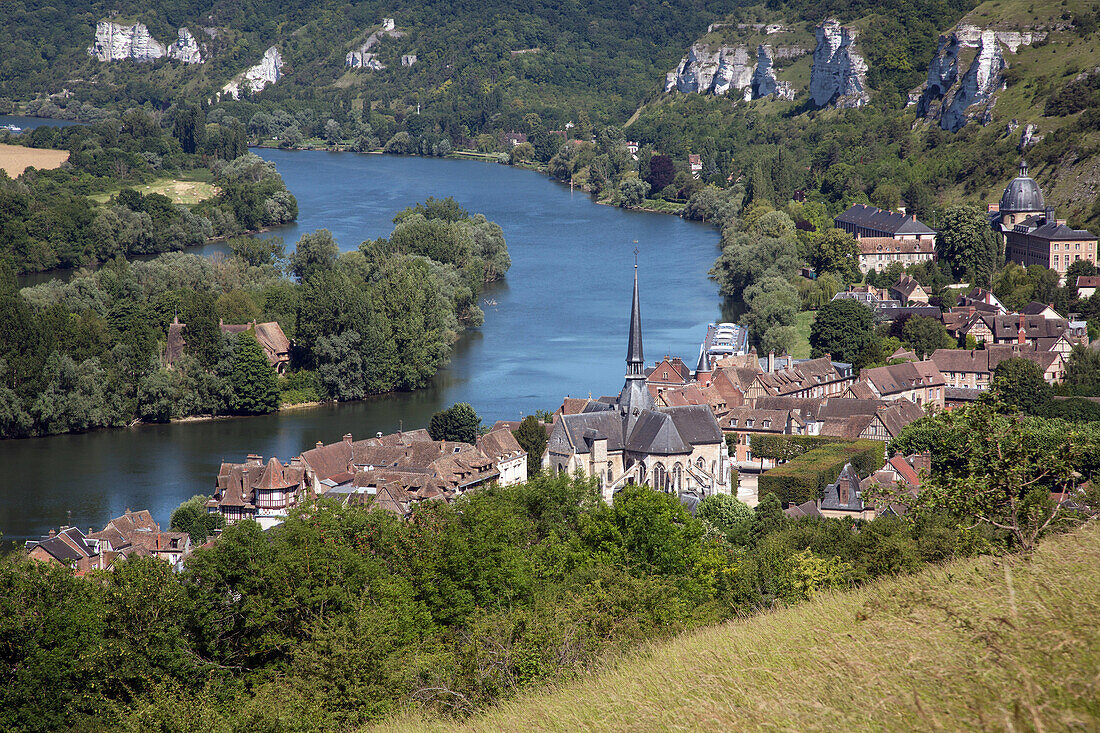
(739, 423)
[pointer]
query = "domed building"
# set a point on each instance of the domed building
(1033, 236)
(1022, 198)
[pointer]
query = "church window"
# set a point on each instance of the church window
(609, 480)
(677, 478)
(701, 463)
(660, 477)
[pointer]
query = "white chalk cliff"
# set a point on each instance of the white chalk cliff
(764, 83)
(114, 42)
(708, 70)
(256, 78)
(363, 58)
(839, 75)
(954, 99)
(186, 48)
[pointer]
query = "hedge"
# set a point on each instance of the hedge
(804, 478)
(788, 447)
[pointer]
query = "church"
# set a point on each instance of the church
(628, 439)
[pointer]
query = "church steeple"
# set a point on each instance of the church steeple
(634, 399)
(635, 362)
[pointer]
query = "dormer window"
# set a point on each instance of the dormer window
(748, 423)
(767, 423)
(733, 422)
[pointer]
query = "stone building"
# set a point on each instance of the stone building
(628, 439)
(1033, 235)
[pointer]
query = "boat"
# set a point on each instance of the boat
(723, 339)
(13, 128)
(489, 302)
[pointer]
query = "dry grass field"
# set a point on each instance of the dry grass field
(15, 159)
(180, 191)
(1009, 644)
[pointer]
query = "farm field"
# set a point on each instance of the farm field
(188, 190)
(14, 159)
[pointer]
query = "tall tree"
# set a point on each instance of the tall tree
(531, 436)
(458, 422)
(255, 388)
(967, 243)
(1020, 384)
(843, 328)
(316, 253)
(835, 251)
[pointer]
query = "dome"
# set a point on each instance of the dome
(1022, 194)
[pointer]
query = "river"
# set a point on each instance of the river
(558, 327)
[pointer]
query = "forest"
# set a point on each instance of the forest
(91, 352)
(52, 218)
(343, 615)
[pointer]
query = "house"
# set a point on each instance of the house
(1035, 308)
(695, 163)
(909, 291)
(501, 447)
(1033, 236)
(259, 491)
(877, 253)
(272, 340)
(980, 299)
(843, 499)
(747, 422)
(1087, 285)
(974, 368)
(788, 377)
(137, 534)
(919, 382)
(512, 139)
(669, 372)
(69, 548)
(867, 419)
(863, 221)
(459, 466)
(629, 439)
(891, 488)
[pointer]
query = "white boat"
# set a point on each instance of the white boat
(13, 128)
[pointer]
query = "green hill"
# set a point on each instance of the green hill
(988, 644)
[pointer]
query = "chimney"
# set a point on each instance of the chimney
(320, 444)
(347, 438)
(1021, 335)
(771, 362)
(53, 532)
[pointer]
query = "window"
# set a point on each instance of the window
(767, 423)
(748, 423)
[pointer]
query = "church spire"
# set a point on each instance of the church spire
(635, 362)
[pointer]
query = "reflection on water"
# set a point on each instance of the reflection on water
(558, 328)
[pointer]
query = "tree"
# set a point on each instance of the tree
(1000, 470)
(191, 517)
(531, 436)
(189, 127)
(458, 422)
(315, 253)
(256, 251)
(725, 512)
(966, 242)
(835, 251)
(1083, 371)
(255, 387)
(925, 335)
(767, 517)
(1079, 268)
(632, 191)
(1020, 385)
(843, 329)
(661, 172)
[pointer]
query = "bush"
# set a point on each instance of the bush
(785, 447)
(805, 477)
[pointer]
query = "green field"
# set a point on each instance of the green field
(187, 188)
(987, 644)
(802, 322)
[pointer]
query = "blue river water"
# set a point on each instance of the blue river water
(555, 326)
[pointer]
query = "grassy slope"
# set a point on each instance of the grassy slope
(803, 321)
(982, 644)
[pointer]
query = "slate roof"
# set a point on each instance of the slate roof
(1022, 194)
(655, 433)
(67, 546)
(888, 222)
(1052, 231)
(906, 285)
(896, 378)
(843, 494)
(802, 511)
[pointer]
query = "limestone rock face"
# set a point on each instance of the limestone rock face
(114, 42)
(839, 75)
(764, 83)
(709, 70)
(268, 71)
(955, 99)
(362, 58)
(729, 70)
(186, 48)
